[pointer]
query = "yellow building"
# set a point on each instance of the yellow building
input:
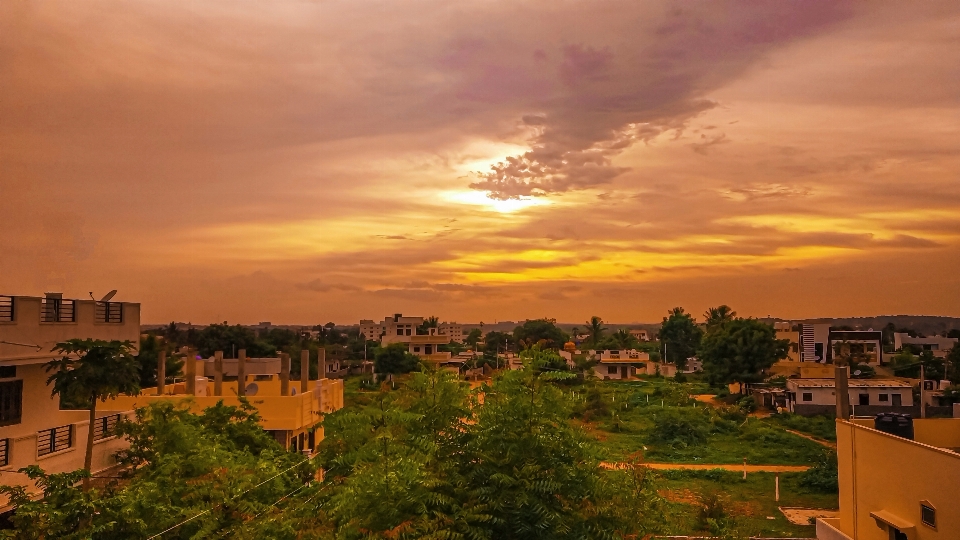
(785, 330)
(894, 488)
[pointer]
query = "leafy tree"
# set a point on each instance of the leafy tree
(474, 337)
(428, 323)
(739, 350)
(953, 364)
(596, 329)
(716, 317)
(498, 341)
(148, 359)
(680, 428)
(395, 359)
(823, 475)
(680, 337)
(542, 331)
(624, 339)
(91, 370)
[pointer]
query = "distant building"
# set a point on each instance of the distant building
(640, 335)
(940, 346)
(453, 331)
(789, 332)
(619, 364)
(33, 428)
(896, 487)
(818, 343)
(868, 396)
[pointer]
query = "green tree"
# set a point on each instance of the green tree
(430, 322)
(498, 341)
(716, 317)
(91, 370)
(395, 359)
(474, 337)
(740, 350)
(952, 366)
(680, 337)
(148, 358)
(596, 329)
(542, 331)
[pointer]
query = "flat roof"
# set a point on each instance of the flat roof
(852, 383)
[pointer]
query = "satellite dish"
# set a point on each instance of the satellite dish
(109, 296)
(252, 389)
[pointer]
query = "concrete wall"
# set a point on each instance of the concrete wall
(879, 472)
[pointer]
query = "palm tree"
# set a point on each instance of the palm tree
(718, 316)
(91, 370)
(624, 339)
(596, 329)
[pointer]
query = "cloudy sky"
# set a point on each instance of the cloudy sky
(301, 162)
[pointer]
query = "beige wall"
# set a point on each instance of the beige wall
(881, 472)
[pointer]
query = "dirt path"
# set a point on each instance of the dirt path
(819, 441)
(703, 466)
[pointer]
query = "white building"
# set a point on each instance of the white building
(33, 428)
(640, 335)
(818, 396)
(453, 331)
(940, 346)
(619, 364)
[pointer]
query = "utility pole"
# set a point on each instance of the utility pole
(923, 404)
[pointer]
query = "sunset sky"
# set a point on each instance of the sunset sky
(301, 162)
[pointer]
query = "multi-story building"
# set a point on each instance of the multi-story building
(33, 428)
(619, 364)
(290, 410)
(392, 330)
(818, 343)
(453, 331)
(791, 333)
(940, 346)
(897, 487)
(640, 334)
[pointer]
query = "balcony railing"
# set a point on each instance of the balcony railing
(109, 312)
(57, 310)
(6, 309)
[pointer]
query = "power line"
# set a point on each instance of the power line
(165, 531)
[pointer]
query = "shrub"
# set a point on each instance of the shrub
(758, 432)
(747, 404)
(823, 475)
(680, 428)
(824, 427)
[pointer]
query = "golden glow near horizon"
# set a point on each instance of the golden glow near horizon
(293, 166)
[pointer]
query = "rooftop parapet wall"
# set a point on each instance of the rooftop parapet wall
(27, 338)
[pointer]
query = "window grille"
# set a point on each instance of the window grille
(54, 439)
(109, 312)
(4, 452)
(105, 426)
(6, 309)
(928, 515)
(11, 402)
(57, 310)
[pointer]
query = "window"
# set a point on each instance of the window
(8, 372)
(864, 399)
(54, 439)
(408, 331)
(807, 396)
(884, 397)
(4, 452)
(6, 309)
(416, 349)
(57, 310)
(611, 370)
(11, 402)
(928, 514)
(109, 312)
(399, 331)
(104, 426)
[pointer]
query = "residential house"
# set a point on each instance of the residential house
(940, 346)
(791, 333)
(33, 428)
(619, 364)
(896, 487)
(818, 343)
(867, 396)
(640, 334)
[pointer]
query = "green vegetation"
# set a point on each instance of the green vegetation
(737, 350)
(680, 336)
(394, 359)
(824, 427)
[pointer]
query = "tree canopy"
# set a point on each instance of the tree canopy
(394, 359)
(540, 330)
(739, 350)
(680, 337)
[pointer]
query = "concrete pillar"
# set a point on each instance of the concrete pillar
(161, 372)
(843, 392)
(284, 374)
(242, 372)
(218, 373)
(304, 370)
(191, 365)
(322, 363)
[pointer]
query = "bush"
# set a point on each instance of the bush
(714, 475)
(757, 432)
(823, 475)
(747, 404)
(712, 517)
(680, 428)
(824, 427)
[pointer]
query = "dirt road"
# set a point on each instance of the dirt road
(704, 466)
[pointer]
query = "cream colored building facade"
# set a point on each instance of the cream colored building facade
(33, 428)
(892, 488)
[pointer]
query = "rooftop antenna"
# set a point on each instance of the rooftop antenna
(91, 295)
(109, 296)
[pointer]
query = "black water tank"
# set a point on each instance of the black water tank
(897, 424)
